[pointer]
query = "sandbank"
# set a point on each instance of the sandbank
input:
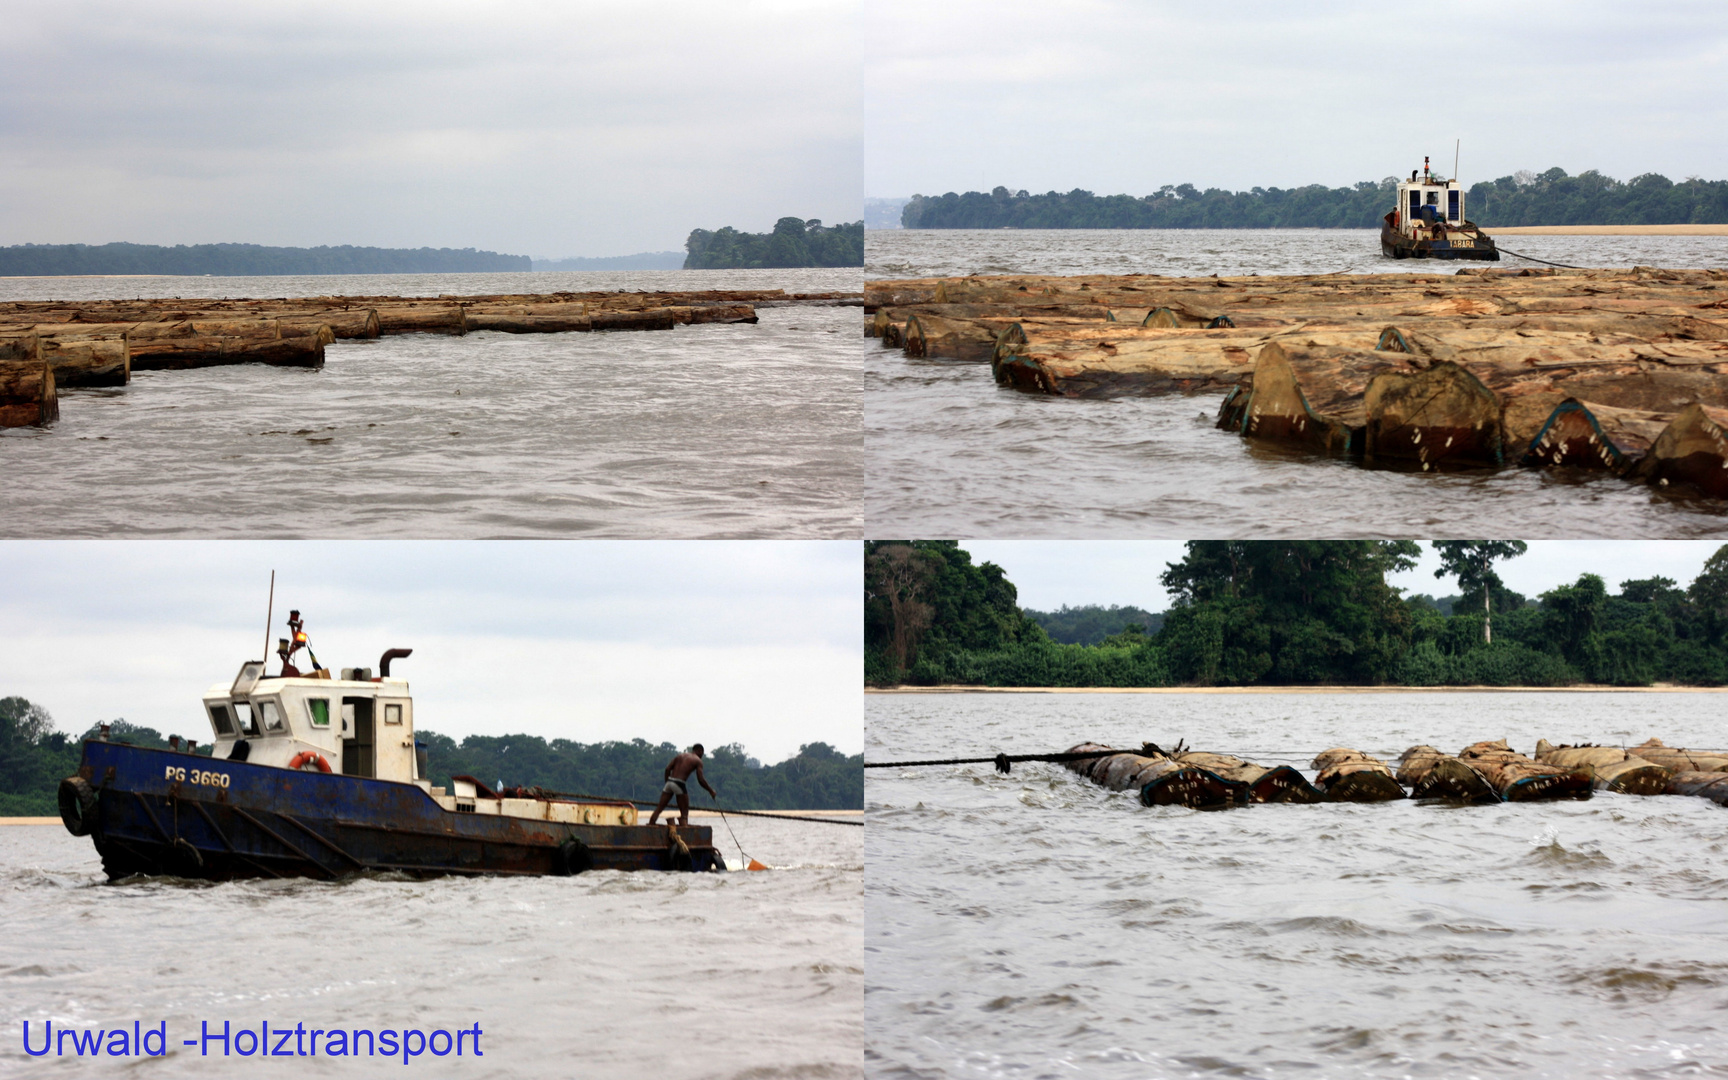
(1610, 230)
(1587, 689)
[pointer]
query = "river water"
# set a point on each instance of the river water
(605, 975)
(949, 453)
(700, 431)
(1036, 925)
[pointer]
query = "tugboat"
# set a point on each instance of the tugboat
(1427, 222)
(316, 776)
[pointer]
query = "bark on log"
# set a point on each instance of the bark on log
(649, 319)
(89, 361)
(1679, 760)
(1160, 781)
(1351, 776)
(1131, 361)
(1615, 769)
(1309, 396)
(1691, 451)
(27, 392)
(1705, 785)
(1434, 774)
(1439, 416)
(1519, 779)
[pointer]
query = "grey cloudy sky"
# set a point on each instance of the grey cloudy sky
(1128, 95)
(1050, 574)
(758, 643)
(549, 128)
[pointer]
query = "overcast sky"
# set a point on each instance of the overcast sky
(1052, 573)
(758, 643)
(1129, 95)
(551, 128)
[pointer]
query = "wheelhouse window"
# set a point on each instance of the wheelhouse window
(272, 716)
(221, 720)
(1453, 205)
(318, 711)
(248, 722)
(392, 714)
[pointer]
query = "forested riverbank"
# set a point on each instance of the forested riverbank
(1526, 198)
(1295, 613)
(34, 758)
(245, 260)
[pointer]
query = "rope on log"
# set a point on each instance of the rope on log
(1003, 761)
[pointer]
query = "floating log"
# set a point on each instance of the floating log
(1308, 396)
(82, 354)
(1434, 774)
(1282, 784)
(1680, 760)
(1706, 785)
(159, 346)
(422, 318)
(1351, 776)
(1519, 779)
(1442, 415)
(1691, 451)
(1614, 769)
(1129, 361)
(1159, 780)
(27, 393)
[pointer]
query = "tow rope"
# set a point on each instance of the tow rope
(1544, 262)
(1003, 761)
(741, 813)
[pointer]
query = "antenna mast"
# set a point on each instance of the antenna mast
(269, 612)
(1456, 143)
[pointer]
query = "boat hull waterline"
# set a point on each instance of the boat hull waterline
(167, 812)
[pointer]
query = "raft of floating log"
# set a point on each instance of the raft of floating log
(1484, 772)
(50, 345)
(1620, 371)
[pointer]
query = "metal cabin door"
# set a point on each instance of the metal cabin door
(359, 756)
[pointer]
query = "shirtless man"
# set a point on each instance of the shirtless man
(678, 775)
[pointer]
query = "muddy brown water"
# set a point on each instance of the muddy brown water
(1037, 925)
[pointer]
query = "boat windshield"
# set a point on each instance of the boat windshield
(248, 723)
(272, 716)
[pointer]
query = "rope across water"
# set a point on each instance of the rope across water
(1003, 761)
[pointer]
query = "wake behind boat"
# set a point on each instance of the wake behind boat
(312, 775)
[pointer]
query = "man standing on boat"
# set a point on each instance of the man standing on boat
(678, 775)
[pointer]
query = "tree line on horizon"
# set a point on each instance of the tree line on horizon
(34, 758)
(246, 260)
(1525, 198)
(794, 242)
(1296, 613)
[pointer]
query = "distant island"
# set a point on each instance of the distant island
(883, 213)
(794, 242)
(645, 260)
(245, 260)
(1523, 199)
(34, 758)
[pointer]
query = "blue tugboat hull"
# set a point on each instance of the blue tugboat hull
(165, 812)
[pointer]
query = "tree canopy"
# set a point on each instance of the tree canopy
(1284, 613)
(1549, 198)
(794, 242)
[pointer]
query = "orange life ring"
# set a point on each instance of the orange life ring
(308, 757)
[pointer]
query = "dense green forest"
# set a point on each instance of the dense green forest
(240, 260)
(34, 758)
(1089, 624)
(794, 242)
(1549, 198)
(1277, 613)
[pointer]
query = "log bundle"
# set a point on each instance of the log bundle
(1347, 775)
(1614, 769)
(100, 342)
(1160, 780)
(27, 392)
(1622, 371)
(1518, 778)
